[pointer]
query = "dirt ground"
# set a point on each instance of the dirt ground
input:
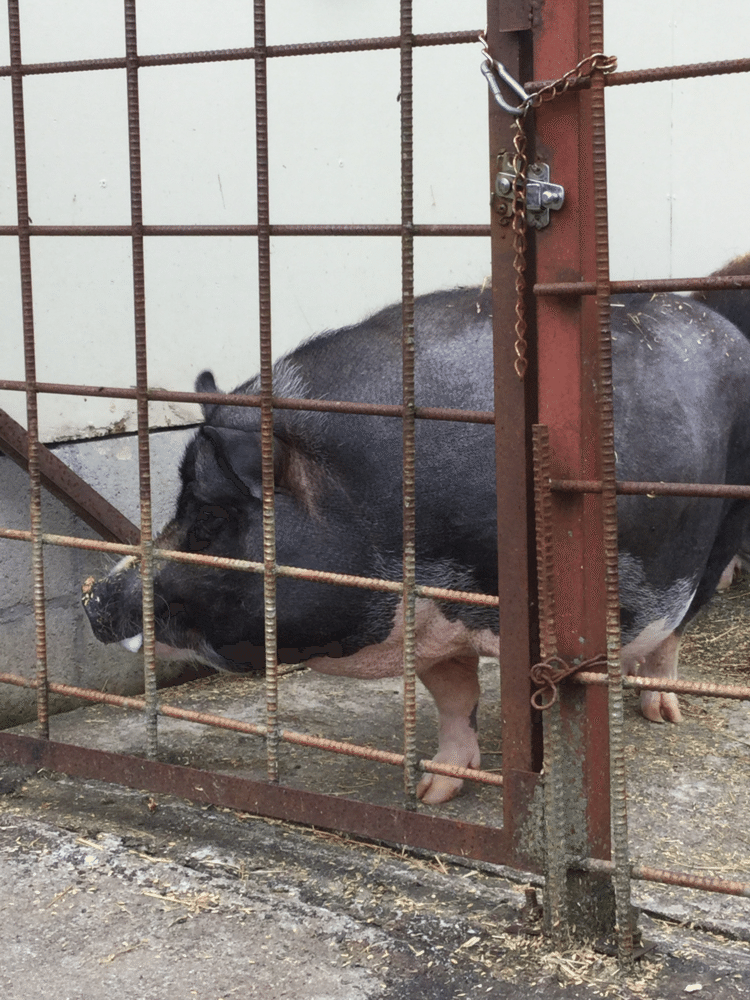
(105, 890)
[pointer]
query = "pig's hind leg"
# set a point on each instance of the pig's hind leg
(454, 685)
(661, 663)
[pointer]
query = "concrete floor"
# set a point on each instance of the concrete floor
(105, 890)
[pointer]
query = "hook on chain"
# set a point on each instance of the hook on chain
(492, 69)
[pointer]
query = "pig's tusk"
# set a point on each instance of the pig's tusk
(133, 644)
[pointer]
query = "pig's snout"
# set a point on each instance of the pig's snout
(104, 602)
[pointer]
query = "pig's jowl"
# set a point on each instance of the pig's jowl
(682, 386)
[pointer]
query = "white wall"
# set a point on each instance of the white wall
(334, 151)
(679, 201)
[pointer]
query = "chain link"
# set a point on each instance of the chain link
(597, 61)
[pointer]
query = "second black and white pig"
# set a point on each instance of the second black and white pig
(734, 305)
(682, 387)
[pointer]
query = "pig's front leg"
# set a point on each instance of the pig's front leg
(454, 685)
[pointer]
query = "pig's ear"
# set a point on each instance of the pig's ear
(205, 383)
(229, 455)
(237, 454)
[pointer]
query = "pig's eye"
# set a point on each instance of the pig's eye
(209, 521)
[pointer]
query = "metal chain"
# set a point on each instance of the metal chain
(520, 165)
(607, 64)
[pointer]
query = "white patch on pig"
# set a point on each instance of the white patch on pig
(287, 381)
(634, 653)
(658, 612)
(653, 650)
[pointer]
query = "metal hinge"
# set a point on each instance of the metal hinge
(541, 194)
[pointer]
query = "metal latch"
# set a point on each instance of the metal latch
(541, 194)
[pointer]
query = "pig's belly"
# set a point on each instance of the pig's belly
(436, 639)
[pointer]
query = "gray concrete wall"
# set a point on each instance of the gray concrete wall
(74, 656)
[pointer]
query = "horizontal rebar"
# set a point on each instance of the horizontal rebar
(279, 403)
(628, 488)
(656, 74)
(250, 229)
(246, 565)
(246, 53)
(734, 691)
(667, 877)
(257, 729)
(710, 283)
(652, 75)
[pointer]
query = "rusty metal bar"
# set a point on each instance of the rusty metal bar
(279, 402)
(63, 483)
(396, 826)
(222, 562)
(408, 403)
(141, 374)
(568, 404)
(652, 75)
(256, 729)
(266, 391)
(233, 55)
(250, 229)
(701, 688)
(626, 487)
(667, 877)
(710, 283)
(32, 412)
(658, 74)
(617, 777)
(556, 854)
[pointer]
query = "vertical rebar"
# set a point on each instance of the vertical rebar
(266, 393)
(556, 853)
(618, 786)
(32, 412)
(408, 348)
(141, 375)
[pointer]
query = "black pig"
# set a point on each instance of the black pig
(682, 386)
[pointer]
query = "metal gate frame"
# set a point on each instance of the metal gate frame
(568, 451)
(402, 826)
(588, 872)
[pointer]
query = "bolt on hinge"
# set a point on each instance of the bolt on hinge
(541, 194)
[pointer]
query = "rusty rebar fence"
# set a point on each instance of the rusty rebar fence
(126, 540)
(521, 764)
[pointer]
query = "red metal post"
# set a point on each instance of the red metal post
(569, 404)
(509, 40)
